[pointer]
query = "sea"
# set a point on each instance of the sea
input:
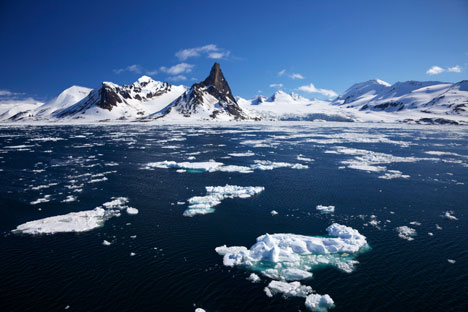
(378, 177)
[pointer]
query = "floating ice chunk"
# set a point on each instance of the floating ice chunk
(254, 278)
(215, 194)
(320, 303)
(299, 166)
(406, 232)
(235, 168)
(302, 158)
(291, 256)
(199, 310)
(190, 166)
(72, 222)
(246, 154)
(70, 198)
(132, 211)
(106, 243)
(116, 203)
(451, 261)
(292, 289)
(132, 254)
(44, 199)
(270, 165)
(449, 216)
(274, 212)
(393, 174)
(415, 223)
(325, 209)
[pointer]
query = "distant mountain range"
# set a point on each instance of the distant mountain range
(428, 102)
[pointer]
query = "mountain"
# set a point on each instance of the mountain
(210, 99)
(107, 102)
(291, 106)
(409, 101)
(423, 102)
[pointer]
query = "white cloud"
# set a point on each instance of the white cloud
(219, 55)
(276, 85)
(177, 78)
(210, 50)
(312, 89)
(152, 72)
(454, 69)
(135, 68)
(296, 76)
(6, 93)
(435, 70)
(281, 72)
(177, 69)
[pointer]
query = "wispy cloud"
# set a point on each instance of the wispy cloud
(281, 72)
(177, 78)
(454, 69)
(6, 93)
(210, 50)
(135, 68)
(177, 69)
(435, 70)
(312, 89)
(296, 76)
(276, 85)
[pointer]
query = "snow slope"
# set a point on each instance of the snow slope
(410, 101)
(284, 106)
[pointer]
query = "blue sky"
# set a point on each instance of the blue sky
(48, 46)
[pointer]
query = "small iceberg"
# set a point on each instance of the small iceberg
(406, 232)
(81, 221)
(290, 257)
(215, 194)
(313, 301)
(449, 216)
(325, 209)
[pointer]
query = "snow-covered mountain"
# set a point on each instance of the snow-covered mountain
(43, 112)
(108, 102)
(210, 99)
(150, 100)
(410, 101)
(291, 106)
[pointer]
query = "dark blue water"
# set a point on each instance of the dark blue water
(176, 268)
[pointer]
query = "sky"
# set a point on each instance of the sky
(315, 48)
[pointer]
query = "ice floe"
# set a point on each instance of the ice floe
(291, 257)
(214, 196)
(72, 222)
(270, 165)
(372, 161)
(44, 199)
(406, 232)
(313, 301)
(273, 212)
(246, 154)
(254, 278)
(449, 216)
(214, 166)
(316, 302)
(81, 221)
(325, 209)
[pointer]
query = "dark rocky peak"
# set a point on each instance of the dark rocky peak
(217, 85)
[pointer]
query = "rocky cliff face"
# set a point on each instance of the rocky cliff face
(211, 98)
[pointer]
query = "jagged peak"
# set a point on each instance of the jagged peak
(217, 81)
(145, 78)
